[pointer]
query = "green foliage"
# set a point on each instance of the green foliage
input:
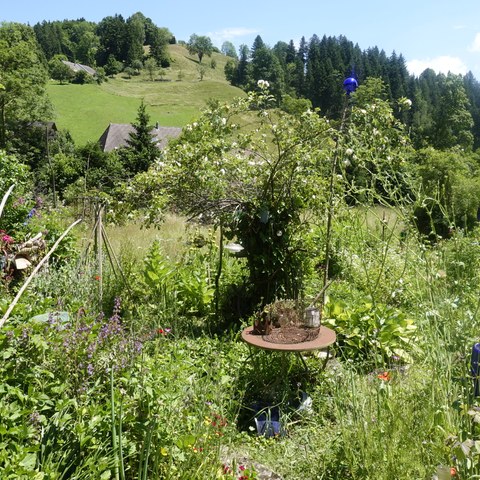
(228, 49)
(181, 287)
(13, 172)
(82, 77)
(257, 183)
(371, 334)
(113, 66)
(151, 67)
(200, 45)
(24, 77)
(141, 150)
(453, 126)
(376, 149)
(58, 70)
(450, 196)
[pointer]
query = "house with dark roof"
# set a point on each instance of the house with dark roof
(48, 128)
(117, 134)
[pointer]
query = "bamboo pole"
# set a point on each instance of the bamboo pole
(5, 197)
(100, 256)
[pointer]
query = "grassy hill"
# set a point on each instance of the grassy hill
(174, 100)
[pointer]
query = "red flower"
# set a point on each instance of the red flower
(97, 278)
(162, 331)
(453, 471)
(385, 376)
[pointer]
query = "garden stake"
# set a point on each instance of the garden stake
(4, 200)
(114, 430)
(99, 249)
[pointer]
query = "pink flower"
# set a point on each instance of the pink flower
(7, 239)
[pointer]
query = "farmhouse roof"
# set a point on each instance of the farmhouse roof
(49, 127)
(117, 134)
(76, 67)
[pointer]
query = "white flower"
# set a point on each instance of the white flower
(224, 121)
(404, 103)
(263, 84)
(349, 151)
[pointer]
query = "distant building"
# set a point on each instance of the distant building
(47, 128)
(117, 134)
(77, 67)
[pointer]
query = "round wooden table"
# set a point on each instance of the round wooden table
(325, 338)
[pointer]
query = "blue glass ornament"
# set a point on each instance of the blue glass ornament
(350, 85)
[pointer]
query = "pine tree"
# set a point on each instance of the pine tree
(142, 150)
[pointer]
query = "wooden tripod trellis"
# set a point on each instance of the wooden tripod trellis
(102, 246)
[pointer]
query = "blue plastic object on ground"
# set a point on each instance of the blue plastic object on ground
(267, 421)
(475, 369)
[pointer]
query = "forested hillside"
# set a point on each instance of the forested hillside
(313, 70)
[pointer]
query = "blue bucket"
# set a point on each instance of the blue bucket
(475, 369)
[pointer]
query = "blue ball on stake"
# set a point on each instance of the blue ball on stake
(350, 84)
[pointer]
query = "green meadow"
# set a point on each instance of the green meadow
(172, 99)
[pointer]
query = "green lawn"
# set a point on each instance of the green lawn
(86, 110)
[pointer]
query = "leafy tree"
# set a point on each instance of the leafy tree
(375, 148)
(453, 125)
(135, 27)
(81, 77)
(158, 39)
(295, 106)
(450, 184)
(58, 70)
(228, 49)
(24, 76)
(82, 40)
(113, 66)
(113, 35)
(151, 67)
(230, 70)
(264, 65)
(200, 45)
(257, 183)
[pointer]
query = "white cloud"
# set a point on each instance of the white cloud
(475, 46)
(442, 64)
(231, 34)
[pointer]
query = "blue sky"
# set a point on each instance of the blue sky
(442, 34)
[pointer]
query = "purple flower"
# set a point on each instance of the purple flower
(34, 418)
